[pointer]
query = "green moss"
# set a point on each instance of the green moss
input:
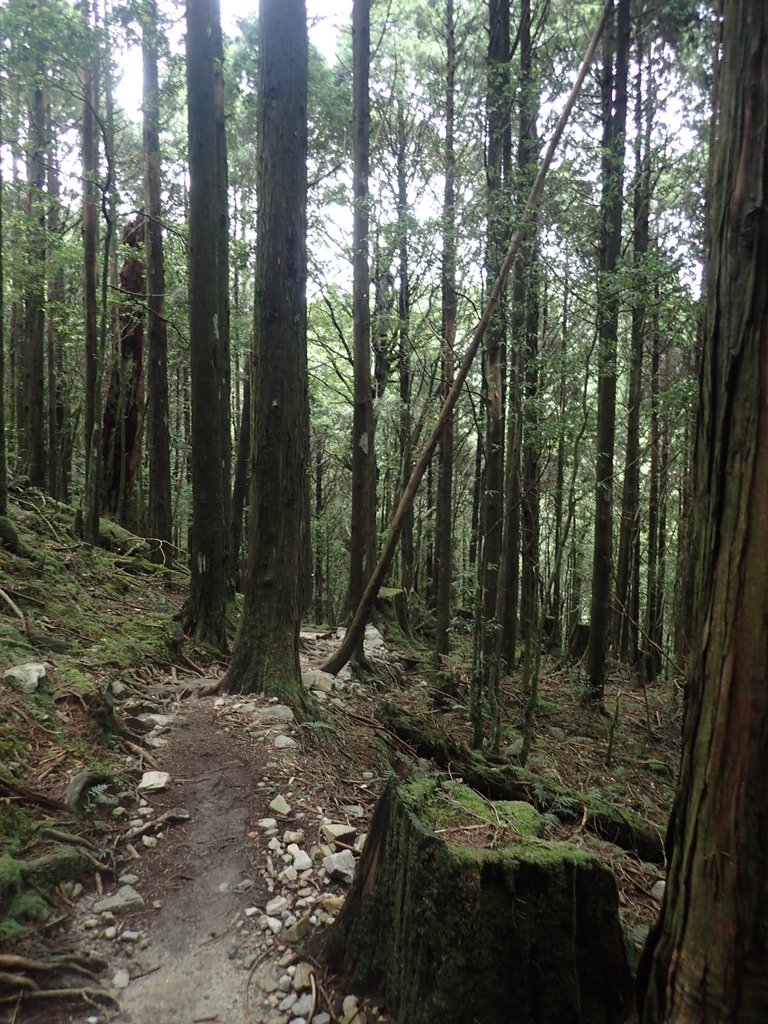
(71, 677)
(15, 830)
(455, 805)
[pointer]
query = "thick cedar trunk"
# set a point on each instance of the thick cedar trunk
(160, 508)
(527, 341)
(240, 485)
(266, 654)
(444, 504)
(205, 612)
(615, 118)
(222, 268)
(90, 160)
(498, 152)
(320, 604)
(33, 433)
(55, 412)
(362, 548)
(404, 316)
(653, 659)
(3, 465)
(120, 428)
(706, 959)
(627, 570)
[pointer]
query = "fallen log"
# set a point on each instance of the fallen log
(511, 782)
(447, 934)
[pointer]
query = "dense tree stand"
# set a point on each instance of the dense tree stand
(449, 934)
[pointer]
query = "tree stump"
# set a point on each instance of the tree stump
(447, 933)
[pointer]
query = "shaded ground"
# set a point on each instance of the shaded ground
(199, 948)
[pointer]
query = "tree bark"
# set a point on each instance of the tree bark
(266, 653)
(3, 456)
(33, 432)
(362, 547)
(205, 611)
(449, 297)
(614, 121)
(158, 415)
(90, 160)
(706, 958)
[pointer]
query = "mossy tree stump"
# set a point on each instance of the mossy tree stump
(460, 934)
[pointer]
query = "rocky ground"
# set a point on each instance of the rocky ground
(238, 846)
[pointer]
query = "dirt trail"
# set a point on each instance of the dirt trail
(229, 894)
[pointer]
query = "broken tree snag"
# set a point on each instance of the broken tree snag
(447, 933)
(505, 781)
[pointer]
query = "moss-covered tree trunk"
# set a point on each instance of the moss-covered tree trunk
(266, 654)
(706, 961)
(451, 934)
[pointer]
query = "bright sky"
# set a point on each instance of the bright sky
(326, 18)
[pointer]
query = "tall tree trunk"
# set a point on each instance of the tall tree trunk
(90, 160)
(404, 331)
(705, 959)
(158, 414)
(493, 363)
(653, 588)
(362, 548)
(3, 456)
(266, 654)
(55, 412)
(240, 485)
(626, 618)
(614, 121)
(444, 504)
(120, 428)
(34, 360)
(526, 300)
(205, 612)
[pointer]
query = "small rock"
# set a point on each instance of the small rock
(285, 984)
(111, 932)
(244, 886)
(332, 904)
(280, 806)
(251, 911)
(274, 924)
(301, 977)
(129, 936)
(349, 1007)
(302, 1005)
(302, 861)
(293, 837)
(298, 931)
(333, 831)
(149, 841)
(121, 979)
(123, 901)
(659, 888)
(289, 874)
(287, 1001)
(153, 781)
(341, 865)
(128, 879)
(267, 823)
(276, 906)
(353, 810)
(360, 841)
(27, 676)
(274, 713)
(91, 922)
(284, 742)
(321, 1018)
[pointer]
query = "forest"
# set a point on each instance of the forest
(402, 368)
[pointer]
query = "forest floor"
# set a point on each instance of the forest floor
(222, 875)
